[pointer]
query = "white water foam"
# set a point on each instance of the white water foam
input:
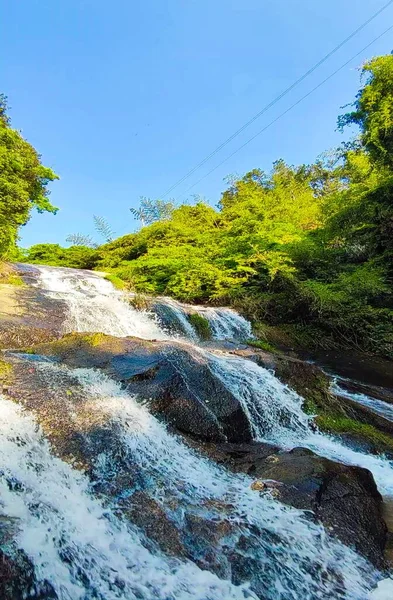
(94, 305)
(379, 407)
(73, 540)
(297, 557)
(276, 415)
(176, 314)
(225, 323)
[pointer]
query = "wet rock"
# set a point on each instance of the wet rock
(344, 498)
(147, 514)
(208, 539)
(173, 378)
(17, 578)
(28, 316)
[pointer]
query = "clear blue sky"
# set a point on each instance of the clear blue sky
(122, 98)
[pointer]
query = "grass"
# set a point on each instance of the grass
(8, 275)
(116, 281)
(363, 431)
(201, 326)
(262, 345)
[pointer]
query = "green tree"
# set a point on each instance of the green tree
(374, 109)
(23, 182)
(80, 239)
(150, 211)
(103, 228)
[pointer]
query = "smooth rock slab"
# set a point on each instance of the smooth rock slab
(173, 378)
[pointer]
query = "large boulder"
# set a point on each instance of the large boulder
(344, 498)
(173, 378)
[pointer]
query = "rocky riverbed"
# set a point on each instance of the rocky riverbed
(238, 462)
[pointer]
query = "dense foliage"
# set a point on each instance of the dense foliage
(23, 182)
(307, 249)
(77, 257)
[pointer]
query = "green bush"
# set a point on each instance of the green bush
(201, 326)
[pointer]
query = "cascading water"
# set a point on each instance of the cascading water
(76, 543)
(379, 407)
(94, 305)
(174, 317)
(276, 415)
(76, 540)
(225, 323)
(290, 557)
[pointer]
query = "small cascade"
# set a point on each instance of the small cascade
(173, 317)
(379, 407)
(275, 412)
(94, 305)
(90, 553)
(225, 323)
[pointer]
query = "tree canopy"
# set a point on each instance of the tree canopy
(307, 248)
(23, 182)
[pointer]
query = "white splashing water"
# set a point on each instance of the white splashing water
(275, 412)
(225, 323)
(74, 542)
(174, 313)
(294, 557)
(94, 305)
(379, 407)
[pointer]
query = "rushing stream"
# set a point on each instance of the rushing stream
(69, 524)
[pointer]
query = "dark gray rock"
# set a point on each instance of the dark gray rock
(173, 378)
(344, 498)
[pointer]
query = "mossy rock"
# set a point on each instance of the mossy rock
(77, 345)
(5, 372)
(352, 429)
(9, 276)
(263, 345)
(201, 326)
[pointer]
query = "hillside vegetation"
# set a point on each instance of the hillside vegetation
(306, 250)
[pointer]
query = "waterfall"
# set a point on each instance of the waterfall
(94, 305)
(225, 323)
(275, 412)
(379, 407)
(76, 543)
(80, 545)
(74, 535)
(173, 317)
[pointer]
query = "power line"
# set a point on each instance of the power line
(288, 109)
(275, 100)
